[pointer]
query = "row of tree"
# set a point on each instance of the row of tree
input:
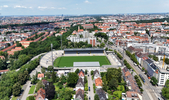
(138, 82)
(10, 81)
(132, 57)
(118, 55)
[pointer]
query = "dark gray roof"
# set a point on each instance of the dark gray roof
(154, 66)
(101, 93)
(80, 81)
(96, 71)
(149, 61)
(80, 93)
(83, 49)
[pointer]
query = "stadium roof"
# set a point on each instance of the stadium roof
(81, 49)
(86, 64)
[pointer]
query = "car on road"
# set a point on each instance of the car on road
(89, 88)
(88, 75)
(89, 97)
(159, 98)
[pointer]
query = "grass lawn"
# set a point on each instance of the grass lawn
(118, 93)
(31, 91)
(14, 98)
(68, 60)
(120, 88)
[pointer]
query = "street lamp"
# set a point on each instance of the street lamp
(52, 53)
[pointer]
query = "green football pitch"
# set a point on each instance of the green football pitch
(68, 60)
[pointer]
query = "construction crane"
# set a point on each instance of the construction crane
(163, 60)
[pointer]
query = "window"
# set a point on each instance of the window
(39, 98)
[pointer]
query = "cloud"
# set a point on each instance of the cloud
(87, 1)
(62, 8)
(42, 8)
(18, 6)
(5, 6)
(30, 7)
(52, 7)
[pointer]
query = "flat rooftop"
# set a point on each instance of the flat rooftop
(86, 64)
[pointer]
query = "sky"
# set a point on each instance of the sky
(81, 7)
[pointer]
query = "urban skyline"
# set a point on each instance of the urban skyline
(74, 7)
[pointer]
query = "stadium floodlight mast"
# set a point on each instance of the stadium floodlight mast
(52, 53)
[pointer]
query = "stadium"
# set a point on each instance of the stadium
(84, 58)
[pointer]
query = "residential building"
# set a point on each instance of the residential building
(131, 95)
(79, 94)
(81, 74)
(96, 74)
(101, 93)
(134, 50)
(140, 55)
(80, 84)
(3, 71)
(130, 80)
(98, 82)
(40, 76)
(41, 94)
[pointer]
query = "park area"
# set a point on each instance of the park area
(68, 60)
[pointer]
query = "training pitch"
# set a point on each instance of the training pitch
(68, 60)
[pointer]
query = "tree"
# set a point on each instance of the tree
(89, 45)
(91, 72)
(53, 77)
(77, 71)
(113, 84)
(50, 68)
(104, 83)
(18, 44)
(102, 45)
(16, 89)
(50, 91)
(31, 98)
(72, 79)
(143, 68)
(96, 97)
(43, 70)
(86, 72)
(154, 81)
(146, 71)
(39, 85)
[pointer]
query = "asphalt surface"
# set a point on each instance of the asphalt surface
(149, 91)
(90, 84)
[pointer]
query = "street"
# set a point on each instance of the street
(148, 93)
(90, 84)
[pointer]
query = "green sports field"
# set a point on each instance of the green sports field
(68, 60)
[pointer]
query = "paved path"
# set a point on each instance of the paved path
(90, 84)
(26, 91)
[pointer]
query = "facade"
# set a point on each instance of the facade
(140, 55)
(134, 50)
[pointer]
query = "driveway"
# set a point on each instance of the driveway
(90, 84)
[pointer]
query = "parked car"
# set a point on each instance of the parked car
(89, 97)
(89, 88)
